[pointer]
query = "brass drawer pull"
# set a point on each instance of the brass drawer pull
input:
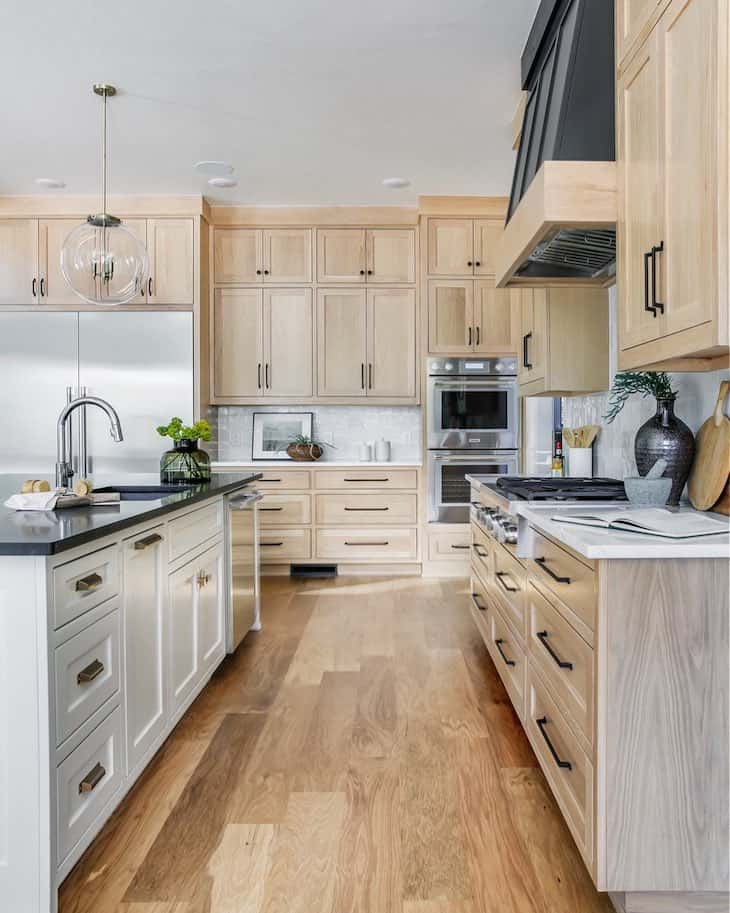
(92, 779)
(542, 636)
(146, 541)
(366, 509)
(510, 589)
(203, 579)
(498, 644)
(541, 724)
(89, 583)
(90, 672)
(541, 562)
(368, 543)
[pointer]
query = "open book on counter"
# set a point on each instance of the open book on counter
(652, 521)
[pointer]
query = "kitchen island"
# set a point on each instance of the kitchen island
(613, 647)
(112, 620)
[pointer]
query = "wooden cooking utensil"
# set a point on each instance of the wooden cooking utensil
(711, 466)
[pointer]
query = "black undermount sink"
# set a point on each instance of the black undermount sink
(144, 492)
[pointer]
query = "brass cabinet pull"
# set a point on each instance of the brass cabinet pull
(90, 672)
(92, 779)
(203, 579)
(367, 543)
(88, 583)
(146, 541)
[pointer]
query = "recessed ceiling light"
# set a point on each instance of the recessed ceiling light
(211, 167)
(50, 183)
(223, 182)
(396, 183)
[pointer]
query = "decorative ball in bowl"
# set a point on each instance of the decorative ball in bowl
(304, 450)
(646, 492)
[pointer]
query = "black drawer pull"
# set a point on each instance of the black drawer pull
(510, 589)
(498, 644)
(542, 723)
(541, 562)
(89, 583)
(271, 544)
(92, 779)
(475, 597)
(270, 480)
(481, 554)
(366, 480)
(146, 541)
(366, 509)
(367, 543)
(270, 509)
(647, 306)
(90, 672)
(542, 636)
(655, 305)
(459, 547)
(525, 363)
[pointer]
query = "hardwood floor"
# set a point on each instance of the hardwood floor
(358, 755)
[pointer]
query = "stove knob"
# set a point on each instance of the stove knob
(448, 366)
(510, 533)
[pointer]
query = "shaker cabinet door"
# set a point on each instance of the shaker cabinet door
(341, 255)
(287, 255)
(450, 247)
(170, 244)
(450, 316)
(237, 256)
(341, 342)
(391, 255)
(183, 672)
(288, 342)
(237, 345)
(210, 583)
(19, 261)
(496, 318)
(391, 320)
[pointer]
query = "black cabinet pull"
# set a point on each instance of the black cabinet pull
(258, 371)
(34, 287)
(149, 286)
(271, 480)
(271, 508)
(362, 374)
(266, 272)
(477, 331)
(469, 336)
(510, 589)
(366, 509)
(469, 263)
(541, 562)
(525, 361)
(370, 272)
(266, 375)
(498, 644)
(271, 544)
(477, 263)
(542, 636)
(647, 306)
(458, 547)
(43, 287)
(656, 305)
(481, 554)
(370, 376)
(362, 272)
(542, 723)
(258, 272)
(475, 597)
(367, 480)
(367, 543)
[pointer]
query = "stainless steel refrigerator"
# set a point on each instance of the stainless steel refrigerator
(142, 363)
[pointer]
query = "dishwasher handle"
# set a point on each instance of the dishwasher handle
(245, 502)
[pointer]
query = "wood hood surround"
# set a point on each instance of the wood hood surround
(562, 195)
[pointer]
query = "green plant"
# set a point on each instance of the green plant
(175, 429)
(647, 383)
(307, 441)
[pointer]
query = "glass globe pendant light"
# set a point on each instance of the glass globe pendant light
(101, 260)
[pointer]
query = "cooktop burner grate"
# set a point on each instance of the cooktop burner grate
(547, 489)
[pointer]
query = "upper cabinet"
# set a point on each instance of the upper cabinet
(462, 247)
(673, 198)
(254, 255)
(633, 19)
(170, 248)
(19, 261)
(357, 256)
(471, 315)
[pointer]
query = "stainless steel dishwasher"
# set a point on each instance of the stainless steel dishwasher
(242, 541)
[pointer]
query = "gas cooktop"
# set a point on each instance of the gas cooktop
(527, 488)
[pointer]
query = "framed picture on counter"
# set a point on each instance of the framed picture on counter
(274, 431)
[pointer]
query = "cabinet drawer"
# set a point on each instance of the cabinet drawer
(449, 546)
(189, 531)
(365, 478)
(86, 670)
(565, 660)
(367, 509)
(509, 585)
(87, 780)
(285, 510)
(566, 766)
(371, 544)
(569, 579)
(509, 657)
(84, 583)
(481, 554)
(284, 480)
(285, 545)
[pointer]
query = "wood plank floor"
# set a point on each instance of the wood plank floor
(358, 755)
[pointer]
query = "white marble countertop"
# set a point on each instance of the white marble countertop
(320, 464)
(597, 543)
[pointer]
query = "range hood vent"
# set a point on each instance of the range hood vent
(591, 252)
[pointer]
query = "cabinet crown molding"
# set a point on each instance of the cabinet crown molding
(66, 206)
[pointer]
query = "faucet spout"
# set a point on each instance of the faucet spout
(64, 469)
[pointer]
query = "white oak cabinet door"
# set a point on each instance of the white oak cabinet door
(211, 601)
(341, 342)
(170, 245)
(288, 342)
(487, 234)
(391, 324)
(639, 227)
(391, 255)
(341, 255)
(145, 607)
(19, 261)
(287, 255)
(450, 316)
(184, 669)
(53, 288)
(450, 247)
(238, 342)
(237, 256)
(496, 317)
(526, 305)
(632, 16)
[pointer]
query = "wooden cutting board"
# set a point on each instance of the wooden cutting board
(711, 467)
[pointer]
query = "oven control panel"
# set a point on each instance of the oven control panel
(475, 367)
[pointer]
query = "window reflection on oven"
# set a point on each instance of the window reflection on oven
(474, 410)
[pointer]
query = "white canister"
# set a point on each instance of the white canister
(580, 462)
(382, 451)
(366, 452)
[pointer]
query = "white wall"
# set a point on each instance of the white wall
(614, 451)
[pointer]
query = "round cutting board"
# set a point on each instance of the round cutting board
(711, 465)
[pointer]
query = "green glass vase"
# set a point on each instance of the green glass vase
(185, 463)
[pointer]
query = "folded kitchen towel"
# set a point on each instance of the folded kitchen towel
(41, 500)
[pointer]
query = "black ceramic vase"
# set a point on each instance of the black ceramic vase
(667, 437)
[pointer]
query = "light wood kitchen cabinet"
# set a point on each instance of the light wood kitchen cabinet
(144, 566)
(237, 344)
(391, 338)
(564, 344)
(450, 316)
(633, 18)
(356, 255)
(341, 342)
(170, 248)
(496, 318)
(462, 247)
(341, 255)
(487, 234)
(19, 261)
(52, 287)
(288, 324)
(255, 255)
(673, 202)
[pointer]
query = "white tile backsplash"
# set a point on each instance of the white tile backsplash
(345, 427)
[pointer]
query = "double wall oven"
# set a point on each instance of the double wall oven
(473, 428)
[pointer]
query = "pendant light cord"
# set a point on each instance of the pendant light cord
(103, 161)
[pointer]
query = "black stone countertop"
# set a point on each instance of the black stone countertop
(34, 532)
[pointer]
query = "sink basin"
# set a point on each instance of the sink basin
(145, 492)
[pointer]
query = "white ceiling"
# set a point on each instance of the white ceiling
(312, 101)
